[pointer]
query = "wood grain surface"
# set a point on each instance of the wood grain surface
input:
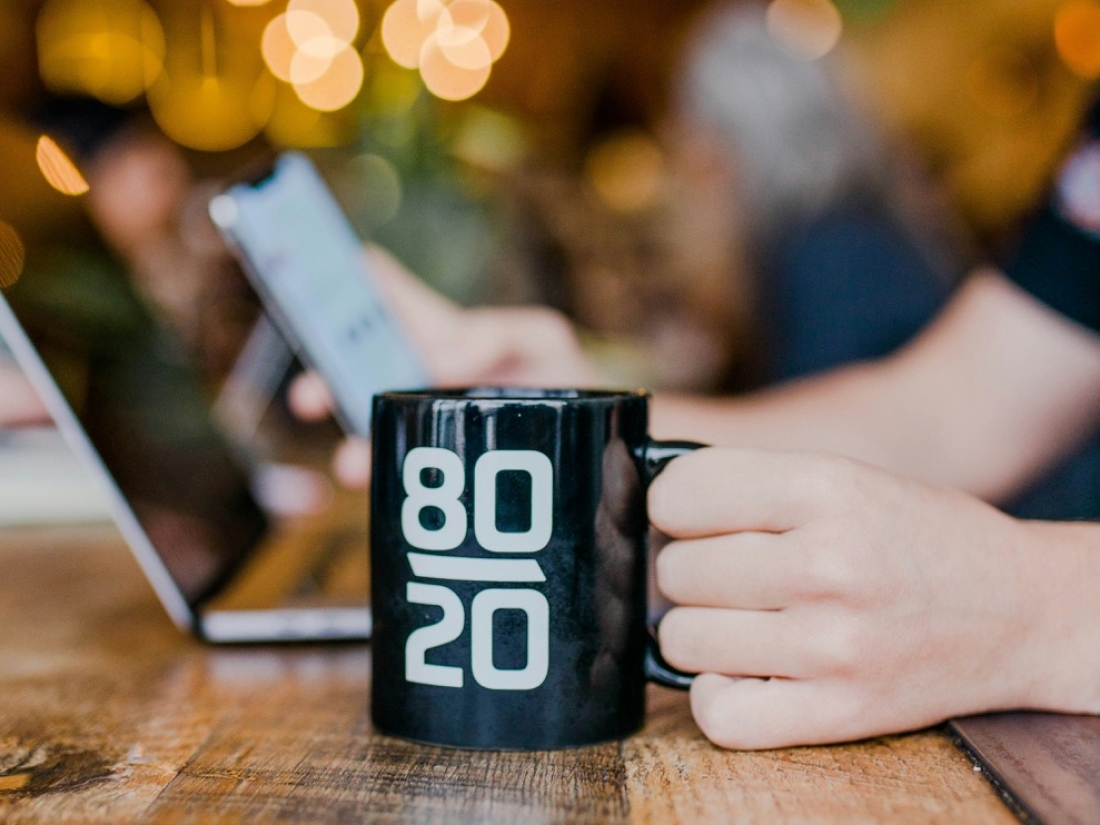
(109, 714)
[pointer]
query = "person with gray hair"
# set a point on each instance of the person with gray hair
(800, 146)
(845, 269)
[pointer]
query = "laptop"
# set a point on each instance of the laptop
(122, 392)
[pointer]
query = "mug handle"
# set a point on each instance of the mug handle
(655, 457)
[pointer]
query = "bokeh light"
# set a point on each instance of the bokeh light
(12, 255)
(208, 97)
(278, 48)
(446, 80)
(371, 188)
(306, 28)
(248, 3)
(112, 51)
(490, 140)
(467, 14)
(1077, 37)
(627, 172)
(58, 170)
(463, 47)
(211, 113)
(341, 17)
(496, 32)
(807, 29)
(336, 86)
(452, 44)
(313, 60)
(406, 26)
(310, 47)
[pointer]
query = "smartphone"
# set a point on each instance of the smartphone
(306, 263)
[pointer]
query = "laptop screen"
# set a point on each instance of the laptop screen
(128, 381)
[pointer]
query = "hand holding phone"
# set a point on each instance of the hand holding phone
(304, 259)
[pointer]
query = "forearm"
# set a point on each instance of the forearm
(834, 413)
(909, 421)
(996, 389)
(1059, 579)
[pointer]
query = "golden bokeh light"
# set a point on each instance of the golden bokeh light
(211, 113)
(248, 3)
(112, 51)
(58, 170)
(453, 44)
(12, 255)
(806, 29)
(309, 46)
(277, 48)
(1077, 37)
(312, 61)
(208, 97)
(406, 27)
(323, 47)
(446, 80)
(305, 27)
(340, 16)
(487, 139)
(463, 47)
(627, 172)
(468, 14)
(337, 86)
(496, 32)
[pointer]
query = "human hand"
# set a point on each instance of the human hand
(498, 346)
(822, 600)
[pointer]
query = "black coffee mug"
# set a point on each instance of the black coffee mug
(508, 566)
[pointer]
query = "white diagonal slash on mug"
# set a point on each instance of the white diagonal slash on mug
(464, 568)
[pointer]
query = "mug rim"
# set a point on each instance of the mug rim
(573, 395)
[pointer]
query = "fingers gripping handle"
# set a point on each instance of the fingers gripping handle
(655, 458)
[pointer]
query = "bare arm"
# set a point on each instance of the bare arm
(993, 391)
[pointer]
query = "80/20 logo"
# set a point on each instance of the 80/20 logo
(450, 534)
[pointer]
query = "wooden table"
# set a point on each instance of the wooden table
(109, 714)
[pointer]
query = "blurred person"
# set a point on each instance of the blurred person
(848, 261)
(151, 213)
(150, 210)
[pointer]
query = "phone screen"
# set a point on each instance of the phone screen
(308, 266)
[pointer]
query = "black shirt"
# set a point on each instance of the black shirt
(1058, 260)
